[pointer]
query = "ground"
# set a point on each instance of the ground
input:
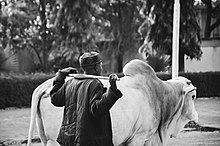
(14, 125)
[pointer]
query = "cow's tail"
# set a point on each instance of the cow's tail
(36, 97)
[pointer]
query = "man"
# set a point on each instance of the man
(86, 120)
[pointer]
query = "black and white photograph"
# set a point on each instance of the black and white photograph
(109, 72)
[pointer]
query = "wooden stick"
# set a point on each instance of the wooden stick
(83, 76)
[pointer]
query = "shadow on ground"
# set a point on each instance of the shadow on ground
(193, 126)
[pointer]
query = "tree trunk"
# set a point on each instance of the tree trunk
(208, 18)
(44, 35)
(181, 62)
(120, 61)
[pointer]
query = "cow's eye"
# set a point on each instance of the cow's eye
(193, 97)
(189, 83)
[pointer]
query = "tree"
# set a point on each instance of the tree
(73, 22)
(8, 60)
(212, 11)
(70, 27)
(26, 24)
(14, 20)
(13, 25)
(78, 19)
(123, 21)
(161, 30)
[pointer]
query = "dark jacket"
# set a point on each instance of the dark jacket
(86, 120)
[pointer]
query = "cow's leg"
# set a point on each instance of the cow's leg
(52, 143)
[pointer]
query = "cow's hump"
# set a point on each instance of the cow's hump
(137, 66)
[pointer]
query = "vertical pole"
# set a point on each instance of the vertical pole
(175, 45)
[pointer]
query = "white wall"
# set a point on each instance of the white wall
(210, 60)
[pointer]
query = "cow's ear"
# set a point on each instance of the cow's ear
(189, 83)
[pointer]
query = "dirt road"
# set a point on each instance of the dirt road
(14, 124)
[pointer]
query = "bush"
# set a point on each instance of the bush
(16, 90)
(207, 83)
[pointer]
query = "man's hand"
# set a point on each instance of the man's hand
(67, 71)
(112, 81)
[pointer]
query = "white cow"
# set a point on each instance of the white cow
(149, 112)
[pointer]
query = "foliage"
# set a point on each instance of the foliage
(16, 27)
(62, 30)
(14, 20)
(73, 22)
(8, 60)
(207, 83)
(88, 22)
(16, 90)
(17, 18)
(158, 61)
(123, 19)
(161, 29)
(26, 24)
(213, 12)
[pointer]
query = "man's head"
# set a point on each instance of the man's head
(91, 63)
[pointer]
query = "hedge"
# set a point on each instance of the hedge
(16, 90)
(207, 83)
